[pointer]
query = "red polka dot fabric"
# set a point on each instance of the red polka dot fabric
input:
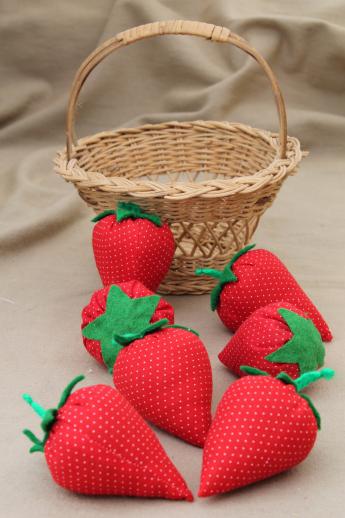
(263, 279)
(167, 377)
(97, 306)
(262, 427)
(99, 445)
(261, 334)
(132, 249)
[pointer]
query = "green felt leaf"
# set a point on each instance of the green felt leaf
(67, 390)
(38, 445)
(102, 215)
(253, 371)
(313, 409)
(224, 277)
(123, 316)
(305, 348)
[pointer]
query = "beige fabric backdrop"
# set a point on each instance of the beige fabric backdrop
(47, 270)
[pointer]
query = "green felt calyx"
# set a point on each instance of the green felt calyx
(127, 210)
(303, 381)
(300, 383)
(132, 210)
(307, 378)
(225, 276)
(48, 416)
(305, 348)
(124, 320)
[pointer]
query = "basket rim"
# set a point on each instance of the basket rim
(276, 171)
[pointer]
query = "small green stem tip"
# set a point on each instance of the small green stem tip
(36, 407)
(309, 377)
(127, 338)
(216, 274)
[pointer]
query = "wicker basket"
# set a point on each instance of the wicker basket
(211, 180)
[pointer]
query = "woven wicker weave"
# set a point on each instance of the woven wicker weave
(211, 180)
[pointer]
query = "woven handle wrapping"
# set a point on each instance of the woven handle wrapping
(182, 27)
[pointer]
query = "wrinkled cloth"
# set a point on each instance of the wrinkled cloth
(47, 268)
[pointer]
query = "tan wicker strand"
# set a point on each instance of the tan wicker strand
(211, 180)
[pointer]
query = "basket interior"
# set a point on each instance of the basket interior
(177, 152)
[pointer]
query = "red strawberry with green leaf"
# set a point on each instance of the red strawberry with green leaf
(98, 303)
(253, 279)
(95, 443)
(163, 370)
(131, 244)
(262, 426)
(275, 338)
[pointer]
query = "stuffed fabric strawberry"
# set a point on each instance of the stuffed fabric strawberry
(98, 303)
(275, 338)
(95, 443)
(163, 370)
(263, 426)
(131, 244)
(255, 278)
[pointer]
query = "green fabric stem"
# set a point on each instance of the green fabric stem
(299, 383)
(305, 348)
(126, 210)
(210, 272)
(310, 377)
(305, 380)
(67, 391)
(224, 277)
(110, 351)
(102, 215)
(40, 411)
(120, 341)
(48, 419)
(127, 338)
(48, 416)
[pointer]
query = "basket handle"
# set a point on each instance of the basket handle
(182, 27)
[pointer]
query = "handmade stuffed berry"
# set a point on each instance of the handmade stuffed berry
(263, 426)
(275, 338)
(163, 370)
(131, 244)
(96, 443)
(255, 278)
(98, 303)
